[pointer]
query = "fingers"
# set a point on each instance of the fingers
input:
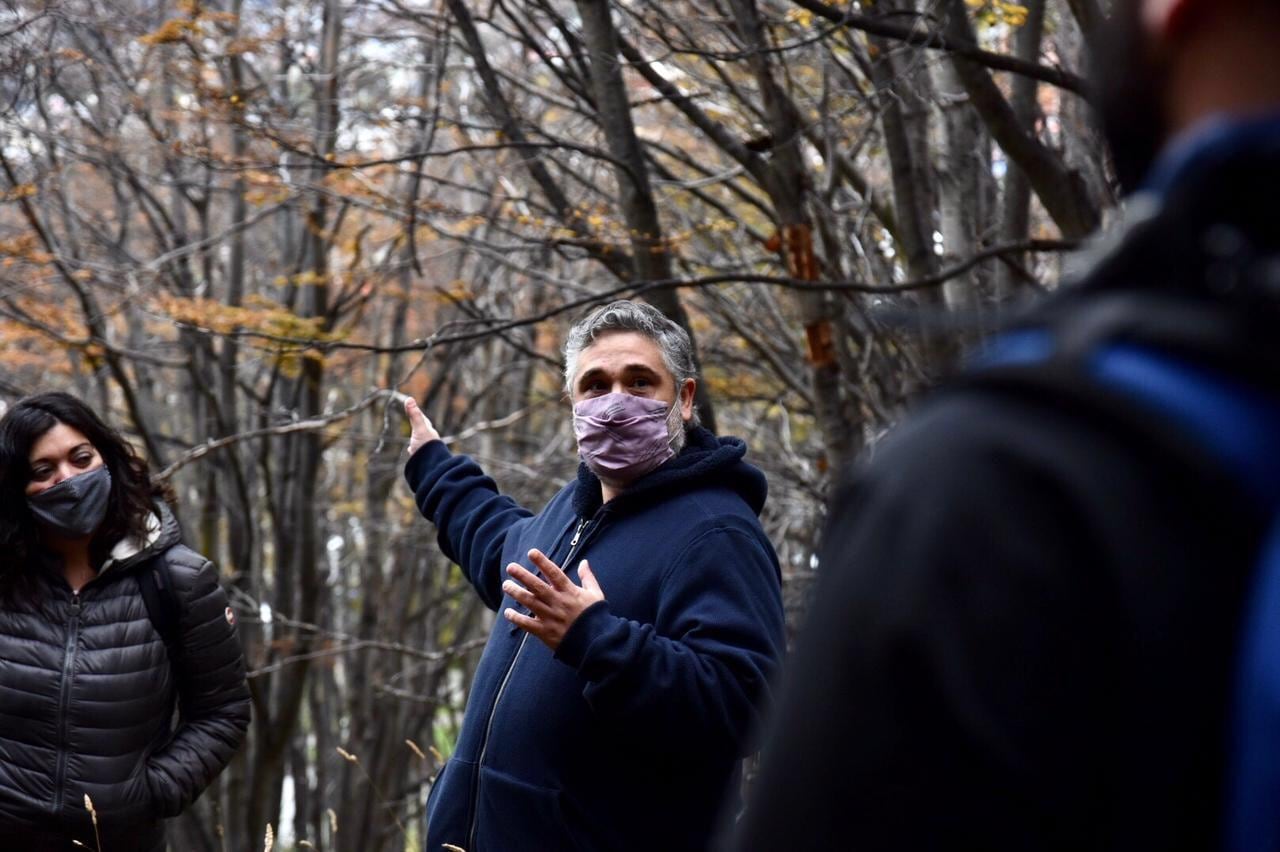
(532, 582)
(553, 601)
(423, 431)
(524, 622)
(523, 596)
(414, 413)
(549, 569)
(419, 422)
(588, 577)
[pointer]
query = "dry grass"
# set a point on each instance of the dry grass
(352, 759)
(93, 814)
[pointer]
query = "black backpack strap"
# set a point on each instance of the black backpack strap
(155, 582)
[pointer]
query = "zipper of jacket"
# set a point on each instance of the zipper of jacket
(493, 710)
(64, 698)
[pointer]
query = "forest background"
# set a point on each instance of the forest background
(236, 227)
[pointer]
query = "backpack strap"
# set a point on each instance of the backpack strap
(1253, 781)
(1235, 427)
(155, 582)
(1241, 427)
(1027, 366)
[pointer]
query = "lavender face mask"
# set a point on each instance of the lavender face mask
(622, 437)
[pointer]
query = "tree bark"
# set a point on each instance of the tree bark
(1062, 190)
(297, 540)
(787, 181)
(650, 251)
(1015, 202)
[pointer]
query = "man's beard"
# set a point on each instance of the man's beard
(1129, 86)
(676, 427)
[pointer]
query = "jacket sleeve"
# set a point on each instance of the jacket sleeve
(213, 695)
(471, 517)
(699, 675)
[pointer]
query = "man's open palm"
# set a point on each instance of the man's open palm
(553, 599)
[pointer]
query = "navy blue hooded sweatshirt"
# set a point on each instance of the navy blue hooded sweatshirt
(630, 736)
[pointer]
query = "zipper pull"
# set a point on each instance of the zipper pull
(577, 535)
(75, 603)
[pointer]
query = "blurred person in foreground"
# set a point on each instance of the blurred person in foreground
(1028, 621)
(641, 614)
(88, 683)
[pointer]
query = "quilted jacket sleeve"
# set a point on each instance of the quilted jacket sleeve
(213, 695)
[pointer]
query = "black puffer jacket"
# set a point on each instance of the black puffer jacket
(87, 695)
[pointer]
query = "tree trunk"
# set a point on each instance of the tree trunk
(1015, 214)
(787, 182)
(1062, 190)
(650, 251)
(297, 540)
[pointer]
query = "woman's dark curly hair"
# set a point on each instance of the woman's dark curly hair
(133, 494)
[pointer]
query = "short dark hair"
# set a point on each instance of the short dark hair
(133, 493)
(623, 315)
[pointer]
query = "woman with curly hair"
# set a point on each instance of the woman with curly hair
(90, 750)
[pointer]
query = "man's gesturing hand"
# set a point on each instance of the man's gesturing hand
(554, 601)
(423, 431)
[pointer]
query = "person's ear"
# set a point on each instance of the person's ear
(687, 393)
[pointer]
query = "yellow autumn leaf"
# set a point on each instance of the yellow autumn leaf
(171, 31)
(803, 17)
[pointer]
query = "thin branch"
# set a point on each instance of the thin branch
(15, 314)
(22, 25)
(639, 288)
(201, 450)
(921, 36)
(361, 644)
(310, 424)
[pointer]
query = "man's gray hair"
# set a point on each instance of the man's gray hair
(672, 340)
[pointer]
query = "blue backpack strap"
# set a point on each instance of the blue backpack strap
(1253, 792)
(1239, 428)
(1234, 421)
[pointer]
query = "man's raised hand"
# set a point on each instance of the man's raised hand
(423, 431)
(553, 599)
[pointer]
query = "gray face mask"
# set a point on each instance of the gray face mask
(75, 507)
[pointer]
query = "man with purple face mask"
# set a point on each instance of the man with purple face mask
(642, 614)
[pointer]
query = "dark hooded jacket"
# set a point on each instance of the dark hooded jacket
(87, 698)
(1026, 622)
(630, 735)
